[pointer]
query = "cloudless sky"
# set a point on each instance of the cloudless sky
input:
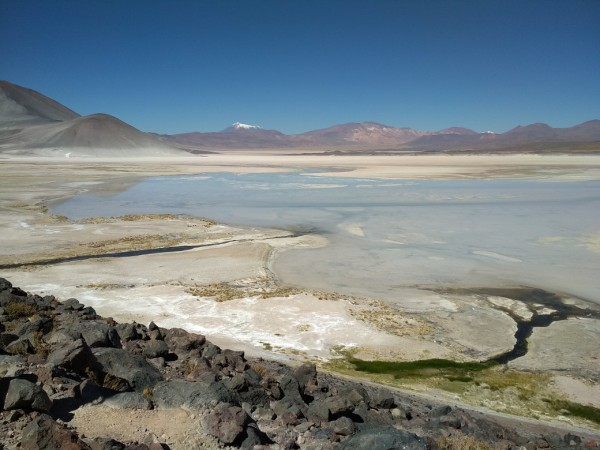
(175, 66)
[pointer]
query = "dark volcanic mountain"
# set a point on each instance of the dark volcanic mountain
(31, 123)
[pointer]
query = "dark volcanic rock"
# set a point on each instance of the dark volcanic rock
(5, 284)
(98, 334)
(192, 394)
(21, 346)
(227, 423)
(44, 433)
(181, 342)
(76, 356)
(155, 349)
(136, 370)
(384, 438)
(23, 394)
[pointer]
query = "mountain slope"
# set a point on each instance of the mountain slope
(33, 124)
(19, 105)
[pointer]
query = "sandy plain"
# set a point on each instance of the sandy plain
(88, 260)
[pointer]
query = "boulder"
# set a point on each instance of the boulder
(11, 366)
(227, 423)
(195, 367)
(89, 392)
(380, 398)
(42, 325)
(17, 297)
(384, 438)
(5, 284)
(72, 304)
(254, 437)
(210, 350)
(21, 346)
(127, 332)
(191, 394)
(94, 333)
(44, 433)
(155, 349)
(134, 369)
(76, 356)
(306, 375)
(154, 332)
(343, 425)
(318, 411)
(180, 341)
(23, 394)
(291, 389)
(6, 339)
(338, 405)
(440, 411)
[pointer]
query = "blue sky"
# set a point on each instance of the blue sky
(176, 66)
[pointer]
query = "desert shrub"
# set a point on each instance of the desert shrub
(147, 392)
(261, 370)
(20, 309)
(462, 442)
(41, 348)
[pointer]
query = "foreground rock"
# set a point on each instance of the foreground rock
(56, 357)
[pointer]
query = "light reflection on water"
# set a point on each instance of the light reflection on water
(387, 234)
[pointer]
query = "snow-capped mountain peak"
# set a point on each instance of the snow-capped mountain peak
(244, 126)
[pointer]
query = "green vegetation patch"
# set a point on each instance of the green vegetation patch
(453, 370)
(575, 409)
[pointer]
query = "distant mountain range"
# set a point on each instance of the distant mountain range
(373, 136)
(31, 123)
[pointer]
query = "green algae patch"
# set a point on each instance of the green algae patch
(453, 370)
(575, 409)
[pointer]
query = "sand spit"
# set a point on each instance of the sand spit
(306, 325)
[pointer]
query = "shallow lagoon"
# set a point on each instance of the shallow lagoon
(387, 235)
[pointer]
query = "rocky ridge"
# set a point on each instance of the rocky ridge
(56, 357)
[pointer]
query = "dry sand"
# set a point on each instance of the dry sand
(297, 325)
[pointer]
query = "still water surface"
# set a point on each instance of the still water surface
(386, 235)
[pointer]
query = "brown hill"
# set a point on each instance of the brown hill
(364, 133)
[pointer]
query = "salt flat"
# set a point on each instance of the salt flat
(405, 318)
